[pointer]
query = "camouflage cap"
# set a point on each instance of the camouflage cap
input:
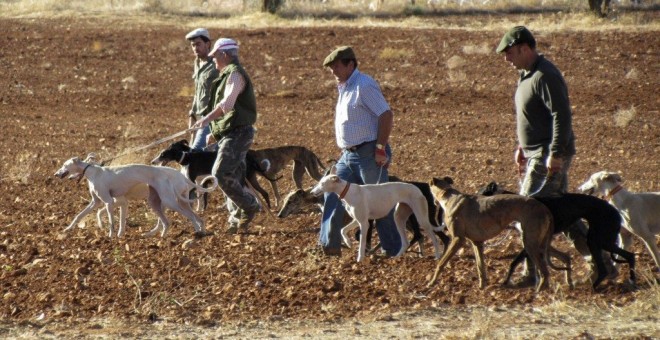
(344, 52)
(515, 36)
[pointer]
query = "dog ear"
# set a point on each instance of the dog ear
(448, 179)
(616, 177)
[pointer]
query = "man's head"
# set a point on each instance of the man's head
(519, 47)
(200, 42)
(341, 62)
(224, 51)
(516, 36)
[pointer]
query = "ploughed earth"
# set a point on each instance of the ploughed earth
(71, 87)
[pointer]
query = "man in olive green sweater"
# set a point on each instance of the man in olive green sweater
(546, 143)
(231, 118)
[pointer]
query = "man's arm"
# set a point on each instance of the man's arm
(235, 85)
(555, 97)
(385, 123)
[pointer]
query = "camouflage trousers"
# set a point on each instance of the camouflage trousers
(229, 168)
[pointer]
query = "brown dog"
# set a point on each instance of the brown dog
(479, 218)
(275, 159)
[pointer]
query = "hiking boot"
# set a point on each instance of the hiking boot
(233, 229)
(246, 218)
(331, 251)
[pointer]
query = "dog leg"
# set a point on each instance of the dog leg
(516, 261)
(454, 245)
(345, 230)
(628, 256)
(94, 204)
(156, 205)
(552, 251)
(99, 220)
(478, 249)
(363, 240)
(298, 173)
(421, 214)
(649, 241)
(109, 207)
(401, 214)
(278, 199)
(123, 212)
(536, 245)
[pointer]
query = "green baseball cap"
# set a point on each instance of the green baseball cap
(515, 36)
(344, 52)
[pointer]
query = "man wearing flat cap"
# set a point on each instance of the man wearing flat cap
(233, 114)
(363, 123)
(204, 73)
(546, 143)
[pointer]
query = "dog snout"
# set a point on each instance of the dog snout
(317, 191)
(157, 161)
(586, 191)
(61, 173)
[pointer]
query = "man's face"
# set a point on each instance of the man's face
(221, 59)
(200, 47)
(340, 71)
(514, 55)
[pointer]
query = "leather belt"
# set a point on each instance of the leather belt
(356, 147)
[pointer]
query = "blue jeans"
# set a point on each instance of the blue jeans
(358, 167)
(199, 143)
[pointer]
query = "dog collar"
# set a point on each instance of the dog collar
(343, 192)
(183, 156)
(613, 192)
(83, 173)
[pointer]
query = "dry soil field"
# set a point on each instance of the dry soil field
(73, 86)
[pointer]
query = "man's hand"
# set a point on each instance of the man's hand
(381, 157)
(520, 160)
(554, 163)
(199, 124)
(191, 122)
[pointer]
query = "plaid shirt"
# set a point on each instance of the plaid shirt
(358, 109)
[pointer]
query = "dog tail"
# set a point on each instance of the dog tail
(318, 161)
(202, 189)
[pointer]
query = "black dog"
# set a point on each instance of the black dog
(435, 215)
(604, 227)
(199, 163)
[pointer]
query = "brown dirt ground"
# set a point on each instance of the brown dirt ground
(70, 87)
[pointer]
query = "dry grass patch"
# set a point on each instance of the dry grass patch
(623, 117)
(484, 48)
(393, 53)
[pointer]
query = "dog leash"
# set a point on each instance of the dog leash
(160, 141)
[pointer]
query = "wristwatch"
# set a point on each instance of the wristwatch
(380, 147)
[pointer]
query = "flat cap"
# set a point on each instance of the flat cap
(515, 36)
(223, 44)
(344, 52)
(198, 32)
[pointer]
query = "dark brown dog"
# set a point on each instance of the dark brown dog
(273, 160)
(480, 218)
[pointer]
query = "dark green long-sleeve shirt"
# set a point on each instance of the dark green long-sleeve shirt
(543, 112)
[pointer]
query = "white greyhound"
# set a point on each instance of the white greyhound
(640, 211)
(111, 185)
(374, 201)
